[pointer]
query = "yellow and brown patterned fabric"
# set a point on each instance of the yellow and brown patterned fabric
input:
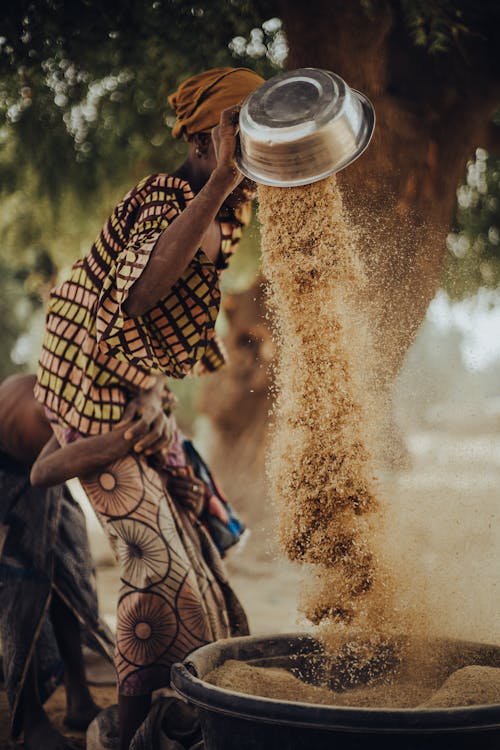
(94, 356)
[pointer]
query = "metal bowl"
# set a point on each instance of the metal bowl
(301, 126)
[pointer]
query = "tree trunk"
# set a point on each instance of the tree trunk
(237, 401)
(432, 111)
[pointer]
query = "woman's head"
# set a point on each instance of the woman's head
(200, 100)
(198, 104)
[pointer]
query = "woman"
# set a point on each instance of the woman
(144, 301)
(47, 590)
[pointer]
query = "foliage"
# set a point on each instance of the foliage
(265, 41)
(442, 25)
(434, 25)
(474, 245)
(83, 113)
(83, 88)
(89, 82)
(83, 102)
(22, 288)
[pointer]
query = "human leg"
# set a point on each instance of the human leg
(36, 727)
(132, 710)
(81, 708)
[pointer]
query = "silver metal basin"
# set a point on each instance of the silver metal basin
(301, 126)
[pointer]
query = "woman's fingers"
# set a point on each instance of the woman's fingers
(150, 411)
(190, 485)
(166, 433)
(141, 410)
(137, 430)
(230, 117)
(224, 136)
(228, 122)
(159, 436)
(188, 491)
(129, 414)
(161, 445)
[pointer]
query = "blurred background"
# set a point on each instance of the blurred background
(83, 117)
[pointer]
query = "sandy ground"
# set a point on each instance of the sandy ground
(442, 536)
(104, 695)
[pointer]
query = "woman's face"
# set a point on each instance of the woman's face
(202, 153)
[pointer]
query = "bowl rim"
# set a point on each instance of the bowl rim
(185, 682)
(368, 130)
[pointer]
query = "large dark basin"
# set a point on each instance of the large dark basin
(235, 721)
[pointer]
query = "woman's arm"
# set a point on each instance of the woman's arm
(56, 464)
(145, 428)
(178, 243)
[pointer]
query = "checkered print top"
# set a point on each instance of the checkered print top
(94, 356)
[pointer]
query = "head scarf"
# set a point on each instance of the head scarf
(199, 101)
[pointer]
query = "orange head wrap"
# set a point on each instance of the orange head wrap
(199, 101)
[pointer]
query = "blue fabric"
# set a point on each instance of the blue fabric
(223, 535)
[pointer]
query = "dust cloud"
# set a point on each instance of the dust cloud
(413, 546)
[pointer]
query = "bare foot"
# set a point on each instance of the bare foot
(79, 716)
(44, 735)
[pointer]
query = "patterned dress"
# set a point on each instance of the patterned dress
(174, 594)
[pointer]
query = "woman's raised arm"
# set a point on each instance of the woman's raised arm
(179, 242)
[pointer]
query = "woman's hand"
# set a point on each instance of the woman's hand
(225, 140)
(188, 491)
(151, 430)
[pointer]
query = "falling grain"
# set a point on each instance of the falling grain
(320, 467)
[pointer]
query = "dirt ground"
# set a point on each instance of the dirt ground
(104, 695)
